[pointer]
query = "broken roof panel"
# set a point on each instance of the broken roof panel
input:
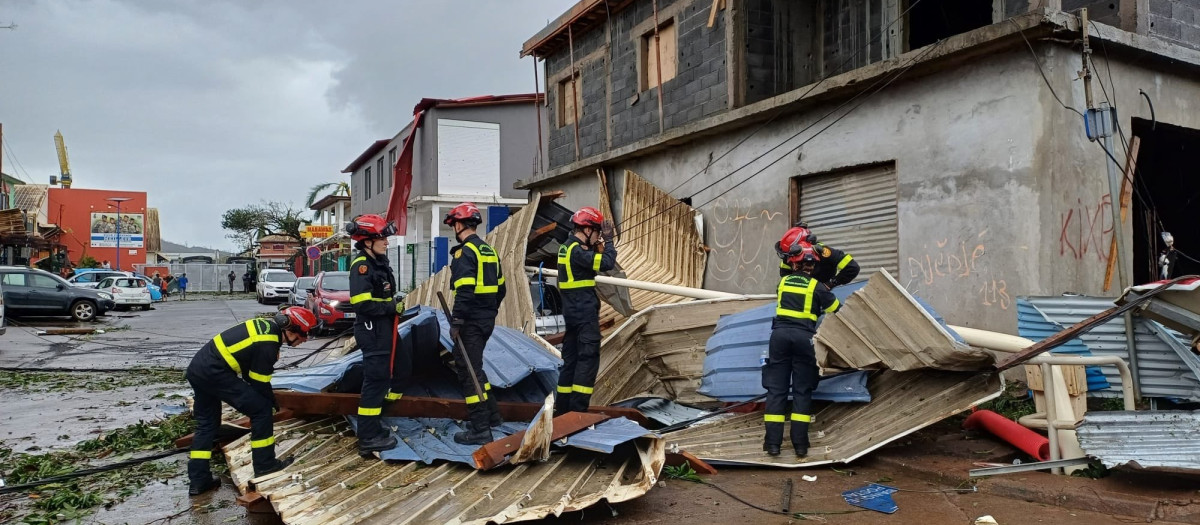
(1167, 439)
(883, 326)
(1034, 325)
(1165, 366)
(330, 484)
(606, 435)
(662, 410)
(902, 403)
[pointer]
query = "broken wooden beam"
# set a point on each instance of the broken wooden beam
(70, 331)
(675, 459)
(325, 404)
(255, 503)
(493, 454)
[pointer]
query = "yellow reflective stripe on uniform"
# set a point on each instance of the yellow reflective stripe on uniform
(596, 262)
(254, 336)
(260, 443)
(582, 389)
(360, 258)
(844, 262)
(802, 418)
(833, 306)
(463, 282)
(806, 291)
(773, 418)
(564, 389)
(571, 283)
(471, 400)
(201, 454)
(226, 355)
(369, 411)
(259, 377)
(481, 286)
(364, 297)
(784, 266)
(392, 396)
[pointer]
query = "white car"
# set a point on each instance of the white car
(91, 279)
(274, 285)
(127, 291)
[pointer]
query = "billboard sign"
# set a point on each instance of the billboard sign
(104, 230)
(318, 231)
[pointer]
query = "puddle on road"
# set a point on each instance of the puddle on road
(159, 501)
(58, 419)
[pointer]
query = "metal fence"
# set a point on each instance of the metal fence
(204, 277)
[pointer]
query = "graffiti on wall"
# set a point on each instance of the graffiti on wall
(742, 249)
(1087, 230)
(961, 263)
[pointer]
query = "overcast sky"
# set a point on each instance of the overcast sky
(210, 105)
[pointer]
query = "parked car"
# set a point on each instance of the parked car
(155, 291)
(329, 299)
(91, 277)
(274, 285)
(37, 293)
(298, 296)
(3, 328)
(127, 291)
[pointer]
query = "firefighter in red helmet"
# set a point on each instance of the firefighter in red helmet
(249, 350)
(372, 296)
(587, 252)
(792, 363)
(836, 267)
(478, 283)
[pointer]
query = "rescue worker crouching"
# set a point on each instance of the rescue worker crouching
(372, 286)
(249, 350)
(579, 260)
(836, 267)
(792, 363)
(478, 283)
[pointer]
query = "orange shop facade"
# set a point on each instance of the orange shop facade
(90, 222)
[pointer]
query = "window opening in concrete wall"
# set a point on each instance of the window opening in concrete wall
(852, 209)
(391, 163)
(933, 20)
(367, 182)
(379, 173)
(668, 49)
(1167, 197)
(570, 100)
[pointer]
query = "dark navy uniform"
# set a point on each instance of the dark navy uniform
(577, 268)
(834, 269)
(372, 288)
(235, 367)
(478, 283)
(800, 301)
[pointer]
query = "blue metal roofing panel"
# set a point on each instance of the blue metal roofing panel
(661, 410)
(1032, 324)
(431, 439)
(606, 435)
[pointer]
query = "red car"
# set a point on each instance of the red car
(329, 300)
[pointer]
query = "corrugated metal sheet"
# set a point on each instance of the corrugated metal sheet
(902, 403)
(1032, 324)
(30, 197)
(662, 410)
(330, 484)
(607, 435)
(1150, 439)
(432, 439)
(1165, 367)
(855, 212)
(659, 351)
(659, 243)
(882, 326)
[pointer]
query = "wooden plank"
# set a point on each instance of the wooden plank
(1075, 376)
(1126, 200)
(493, 454)
(255, 503)
(712, 13)
(538, 233)
(325, 404)
(697, 464)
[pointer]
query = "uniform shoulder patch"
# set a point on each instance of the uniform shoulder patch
(362, 269)
(825, 251)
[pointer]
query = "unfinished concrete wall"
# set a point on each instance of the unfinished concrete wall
(1102, 11)
(1176, 20)
(615, 110)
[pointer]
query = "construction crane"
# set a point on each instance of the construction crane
(64, 164)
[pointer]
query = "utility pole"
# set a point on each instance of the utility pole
(1100, 123)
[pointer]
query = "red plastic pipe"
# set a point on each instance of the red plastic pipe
(1011, 432)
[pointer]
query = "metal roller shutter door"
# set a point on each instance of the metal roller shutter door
(855, 211)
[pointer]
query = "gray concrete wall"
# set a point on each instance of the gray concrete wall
(614, 110)
(1102, 11)
(518, 142)
(1176, 20)
(377, 201)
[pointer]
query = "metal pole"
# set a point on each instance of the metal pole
(118, 236)
(1114, 188)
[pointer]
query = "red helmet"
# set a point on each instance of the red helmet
(466, 212)
(296, 319)
(369, 226)
(807, 253)
(793, 242)
(588, 216)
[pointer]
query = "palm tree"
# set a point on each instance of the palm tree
(315, 193)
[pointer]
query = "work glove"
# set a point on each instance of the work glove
(455, 327)
(607, 231)
(274, 405)
(399, 306)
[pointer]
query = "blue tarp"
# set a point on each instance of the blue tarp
(1034, 325)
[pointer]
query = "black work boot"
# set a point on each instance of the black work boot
(562, 403)
(277, 466)
(800, 438)
(196, 488)
(378, 444)
(771, 449)
(474, 435)
(494, 419)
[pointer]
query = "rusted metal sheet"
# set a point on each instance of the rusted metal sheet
(331, 484)
(325, 404)
(902, 403)
(492, 454)
(659, 243)
(882, 326)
